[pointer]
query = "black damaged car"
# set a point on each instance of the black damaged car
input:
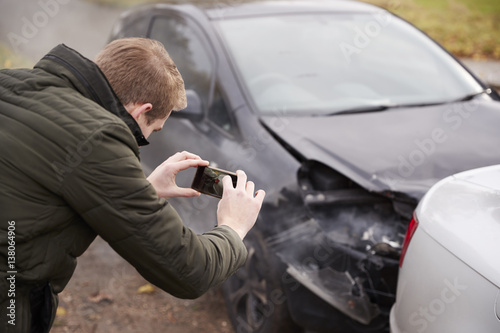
(345, 114)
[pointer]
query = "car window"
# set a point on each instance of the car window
(326, 63)
(194, 63)
(218, 113)
(188, 52)
(136, 28)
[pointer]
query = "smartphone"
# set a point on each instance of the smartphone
(208, 180)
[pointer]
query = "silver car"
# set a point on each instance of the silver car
(449, 278)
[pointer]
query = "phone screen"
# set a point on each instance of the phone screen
(208, 180)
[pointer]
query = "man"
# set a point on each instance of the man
(70, 131)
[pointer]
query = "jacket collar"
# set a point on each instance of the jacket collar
(92, 83)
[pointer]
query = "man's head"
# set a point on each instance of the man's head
(145, 79)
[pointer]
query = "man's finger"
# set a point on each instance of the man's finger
(227, 183)
(242, 180)
(250, 187)
(186, 164)
(260, 195)
(186, 192)
(184, 156)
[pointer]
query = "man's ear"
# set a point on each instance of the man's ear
(138, 109)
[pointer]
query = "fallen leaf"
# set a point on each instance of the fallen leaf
(101, 297)
(146, 289)
(60, 311)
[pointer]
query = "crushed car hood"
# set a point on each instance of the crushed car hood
(404, 150)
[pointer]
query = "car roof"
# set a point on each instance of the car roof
(286, 7)
(260, 8)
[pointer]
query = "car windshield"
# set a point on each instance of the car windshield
(327, 63)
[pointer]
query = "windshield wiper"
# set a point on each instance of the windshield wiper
(366, 108)
(471, 96)
(383, 107)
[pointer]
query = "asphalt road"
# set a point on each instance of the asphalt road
(34, 27)
(487, 70)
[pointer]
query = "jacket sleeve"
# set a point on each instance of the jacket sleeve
(109, 190)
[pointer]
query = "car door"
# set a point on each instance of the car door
(215, 136)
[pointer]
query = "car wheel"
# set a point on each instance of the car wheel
(254, 298)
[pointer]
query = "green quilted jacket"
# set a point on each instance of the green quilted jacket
(70, 170)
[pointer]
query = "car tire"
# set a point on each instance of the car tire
(254, 298)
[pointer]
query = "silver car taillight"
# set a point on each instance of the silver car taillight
(409, 234)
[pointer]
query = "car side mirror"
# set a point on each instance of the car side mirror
(194, 109)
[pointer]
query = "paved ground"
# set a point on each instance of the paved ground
(487, 70)
(107, 295)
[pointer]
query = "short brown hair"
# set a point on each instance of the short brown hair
(140, 70)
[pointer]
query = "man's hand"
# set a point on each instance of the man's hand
(238, 207)
(163, 177)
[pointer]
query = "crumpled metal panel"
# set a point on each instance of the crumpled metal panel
(325, 267)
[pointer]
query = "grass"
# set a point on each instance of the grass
(467, 28)
(483, 6)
